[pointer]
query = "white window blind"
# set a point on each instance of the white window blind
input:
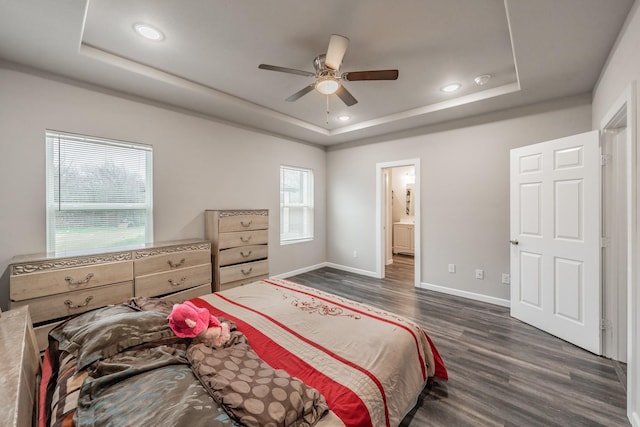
(99, 193)
(296, 204)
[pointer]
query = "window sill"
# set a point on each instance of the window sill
(291, 242)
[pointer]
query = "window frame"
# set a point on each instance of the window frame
(309, 196)
(52, 206)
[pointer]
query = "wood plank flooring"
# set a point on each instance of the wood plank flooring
(502, 372)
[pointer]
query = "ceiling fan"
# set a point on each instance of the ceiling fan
(327, 78)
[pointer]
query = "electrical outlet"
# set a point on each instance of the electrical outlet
(506, 278)
(355, 254)
(452, 268)
(479, 274)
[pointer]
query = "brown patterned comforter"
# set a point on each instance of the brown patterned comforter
(122, 366)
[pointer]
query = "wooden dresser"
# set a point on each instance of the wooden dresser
(239, 246)
(55, 287)
(19, 370)
(176, 271)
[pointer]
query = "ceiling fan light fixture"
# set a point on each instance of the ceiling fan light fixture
(327, 85)
(148, 32)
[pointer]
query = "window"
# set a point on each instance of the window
(296, 204)
(99, 193)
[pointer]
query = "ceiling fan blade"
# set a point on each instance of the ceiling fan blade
(299, 94)
(346, 96)
(336, 50)
(353, 76)
(286, 70)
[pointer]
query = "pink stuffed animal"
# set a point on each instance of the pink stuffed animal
(188, 321)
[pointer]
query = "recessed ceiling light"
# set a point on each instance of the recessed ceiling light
(148, 32)
(482, 80)
(344, 118)
(451, 87)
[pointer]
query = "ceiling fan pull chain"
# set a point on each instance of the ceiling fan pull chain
(327, 109)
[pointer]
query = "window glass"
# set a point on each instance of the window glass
(99, 193)
(296, 204)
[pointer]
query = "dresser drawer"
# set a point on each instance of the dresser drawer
(172, 281)
(51, 282)
(243, 271)
(170, 261)
(243, 222)
(71, 303)
(235, 284)
(243, 238)
(182, 296)
(242, 254)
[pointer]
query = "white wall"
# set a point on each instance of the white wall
(198, 164)
(622, 68)
(465, 192)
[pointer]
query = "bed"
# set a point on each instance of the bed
(297, 356)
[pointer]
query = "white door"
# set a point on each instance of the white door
(555, 232)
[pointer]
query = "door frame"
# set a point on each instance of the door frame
(628, 100)
(613, 147)
(381, 219)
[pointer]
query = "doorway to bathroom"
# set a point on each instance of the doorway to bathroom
(398, 205)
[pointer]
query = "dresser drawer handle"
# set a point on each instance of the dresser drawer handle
(248, 224)
(245, 255)
(245, 240)
(246, 273)
(172, 265)
(177, 283)
(70, 281)
(70, 304)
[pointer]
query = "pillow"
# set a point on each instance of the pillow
(252, 391)
(104, 332)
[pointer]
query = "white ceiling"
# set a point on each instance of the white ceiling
(535, 50)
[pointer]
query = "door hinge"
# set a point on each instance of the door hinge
(605, 159)
(605, 324)
(605, 242)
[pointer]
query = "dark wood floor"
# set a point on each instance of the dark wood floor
(502, 372)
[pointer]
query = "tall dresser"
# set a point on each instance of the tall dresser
(239, 246)
(56, 287)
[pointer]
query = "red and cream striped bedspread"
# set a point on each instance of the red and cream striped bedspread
(369, 364)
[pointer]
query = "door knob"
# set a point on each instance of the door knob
(513, 242)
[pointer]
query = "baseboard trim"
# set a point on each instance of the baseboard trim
(353, 270)
(634, 417)
(327, 264)
(300, 271)
(466, 294)
(429, 286)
